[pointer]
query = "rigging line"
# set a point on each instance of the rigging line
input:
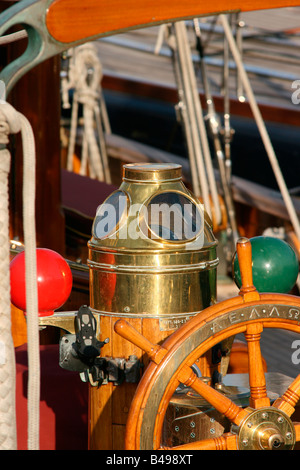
(262, 128)
(181, 109)
(13, 37)
(191, 125)
(228, 132)
(202, 151)
(213, 122)
(29, 158)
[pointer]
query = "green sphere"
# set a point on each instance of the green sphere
(274, 265)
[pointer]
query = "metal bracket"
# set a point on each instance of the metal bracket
(99, 370)
(80, 352)
(120, 369)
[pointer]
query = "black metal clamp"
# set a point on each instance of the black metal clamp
(81, 351)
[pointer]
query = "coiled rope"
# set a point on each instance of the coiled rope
(85, 74)
(12, 122)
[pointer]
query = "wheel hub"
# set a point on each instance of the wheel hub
(266, 429)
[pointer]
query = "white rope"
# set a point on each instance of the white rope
(13, 123)
(8, 439)
(87, 92)
(199, 153)
(9, 38)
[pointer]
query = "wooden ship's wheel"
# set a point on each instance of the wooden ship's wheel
(266, 423)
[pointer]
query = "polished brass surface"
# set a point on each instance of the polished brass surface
(145, 172)
(185, 425)
(63, 320)
(135, 269)
(267, 429)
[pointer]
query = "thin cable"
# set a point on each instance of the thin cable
(262, 128)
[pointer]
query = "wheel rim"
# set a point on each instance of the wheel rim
(171, 365)
(184, 348)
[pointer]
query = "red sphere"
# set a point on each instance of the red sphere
(54, 281)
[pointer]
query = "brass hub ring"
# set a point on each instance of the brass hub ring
(266, 429)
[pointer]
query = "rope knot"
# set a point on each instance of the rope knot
(87, 97)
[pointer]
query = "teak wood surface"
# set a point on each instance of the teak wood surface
(69, 20)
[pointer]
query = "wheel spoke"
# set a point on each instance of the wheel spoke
(219, 401)
(289, 399)
(257, 380)
(227, 441)
(127, 331)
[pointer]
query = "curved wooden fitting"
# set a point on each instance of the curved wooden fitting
(127, 331)
(244, 253)
(67, 21)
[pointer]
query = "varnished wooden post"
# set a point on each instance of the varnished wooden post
(109, 404)
(244, 253)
